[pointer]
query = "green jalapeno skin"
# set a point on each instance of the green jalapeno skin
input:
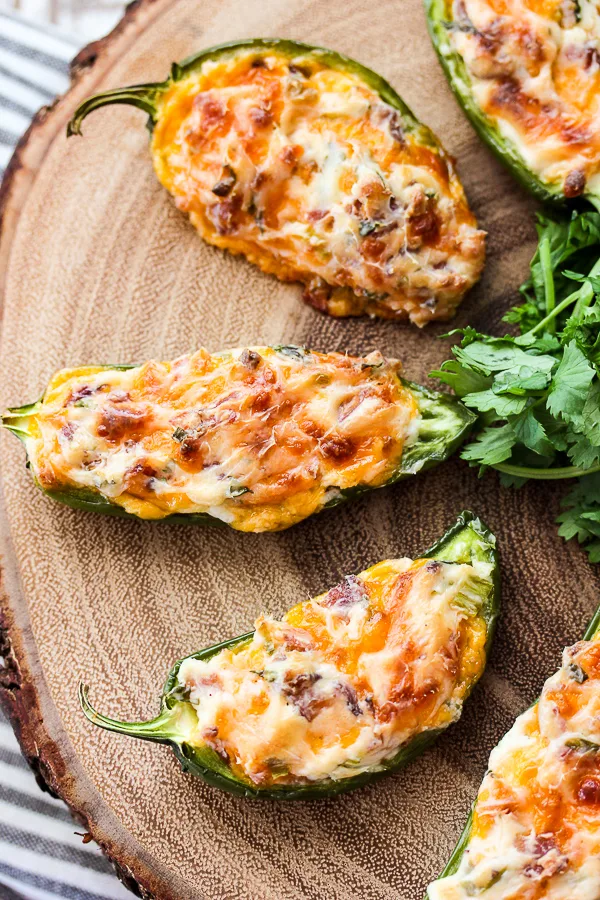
(454, 862)
(146, 96)
(445, 423)
(467, 541)
(439, 24)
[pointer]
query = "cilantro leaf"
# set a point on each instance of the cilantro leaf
(581, 515)
(531, 433)
(538, 393)
(489, 401)
(461, 379)
(492, 445)
(570, 385)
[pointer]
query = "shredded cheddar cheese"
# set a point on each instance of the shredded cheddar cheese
(306, 171)
(534, 69)
(536, 826)
(260, 438)
(344, 681)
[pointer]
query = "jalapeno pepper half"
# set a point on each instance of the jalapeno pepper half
(345, 687)
(256, 438)
(533, 830)
(524, 75)
(312, 167)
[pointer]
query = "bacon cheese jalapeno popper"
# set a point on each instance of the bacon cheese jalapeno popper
(534, 831)
(312, 167)
(345, 687)
(256, 438)
(527, 74)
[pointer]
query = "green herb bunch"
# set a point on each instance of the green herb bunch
(538, 393)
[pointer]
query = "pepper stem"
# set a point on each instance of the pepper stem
(544, 474)
(17, 419)
(144, 96)
(169, 725)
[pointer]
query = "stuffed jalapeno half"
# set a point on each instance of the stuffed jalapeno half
(534, 831)
(256, 438)
(527, 74)
(345, 687)
(312, 167)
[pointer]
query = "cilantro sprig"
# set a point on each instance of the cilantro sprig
(537, 392)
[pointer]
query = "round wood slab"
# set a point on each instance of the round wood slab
(98, 266)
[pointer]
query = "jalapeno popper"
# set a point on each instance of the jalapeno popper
(535, 829)
(527, 74)
(345, 687)
(258, 438)
(312, 167)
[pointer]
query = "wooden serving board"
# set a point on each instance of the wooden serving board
(98, 266)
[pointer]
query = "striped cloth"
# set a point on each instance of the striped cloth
(41, 856)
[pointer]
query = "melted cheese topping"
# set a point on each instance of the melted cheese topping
(307, 172)
(259, 438)
(344, 681)
(536, 828)
(534, 69)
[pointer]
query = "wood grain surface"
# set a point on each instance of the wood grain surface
(98, 266)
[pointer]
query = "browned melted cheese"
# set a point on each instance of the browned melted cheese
(260, 438)
(345, 680)
(308, 173)
(535, 71)
(536, 827)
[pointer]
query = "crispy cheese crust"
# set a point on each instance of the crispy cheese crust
(306, 171)
(536, 827)
(535, 72)
(260, 438)
(345, 680)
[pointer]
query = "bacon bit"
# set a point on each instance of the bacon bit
(68, 430)
(210, 680)
(115, 424)
(588, 791)
(189, 447)
(261, 117)
(215, 743)
(395, 126)
(298, 689)
(313, 429)
(316, 214)
(261, 401)
(226, 214)
(425, 226)
(351, 698)
(290, 154)
(139, 477)
(574, 184)
(250, 359)
(81, 393)
(317, 294)
(372, 248)
(294, 638)
(345, 594)
(259, 180)
(433, 566)
(337, 447)
(549, 860)
(212, 110)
